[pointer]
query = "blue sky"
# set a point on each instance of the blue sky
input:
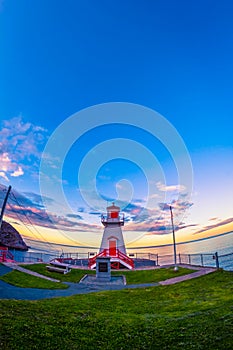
(174, 57)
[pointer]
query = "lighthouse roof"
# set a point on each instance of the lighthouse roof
(113, 207)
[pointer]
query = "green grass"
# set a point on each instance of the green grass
(24, 280)
(195, 314)
(137, 276)
(73, 276)
(150, 276)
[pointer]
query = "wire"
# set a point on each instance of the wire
(22, 222)
(28, 218)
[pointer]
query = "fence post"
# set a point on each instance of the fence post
(179, 258)
(189, 259)
(201, 260)
(217, 261)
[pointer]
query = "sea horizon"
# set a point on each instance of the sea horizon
(221, 244)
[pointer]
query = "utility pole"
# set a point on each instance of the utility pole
(4, 205)
(174, 239)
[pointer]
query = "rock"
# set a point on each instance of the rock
(11, 238)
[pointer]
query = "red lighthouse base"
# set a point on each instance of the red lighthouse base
(118, 260)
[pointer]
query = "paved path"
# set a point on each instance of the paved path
(8, 291)
(200, 272)
(29, 272)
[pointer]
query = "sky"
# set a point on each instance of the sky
(117, 101)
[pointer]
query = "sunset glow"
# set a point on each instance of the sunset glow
(119, 102)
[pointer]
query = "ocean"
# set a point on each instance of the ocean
(197, 252)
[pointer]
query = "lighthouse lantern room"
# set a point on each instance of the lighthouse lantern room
(112, 244)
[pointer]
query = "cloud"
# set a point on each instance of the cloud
(37, 198)
(157, 226)
(164, 206)
(158, 220)
(9, 167)
(18, 172)
(213, 219)
(168, 229)
(3, 175)
(171, 188)
(29, 210)
(219, 224)
(154, 195)
(133, 209)
(161, 229)
(95, 213)
(28, 206)
(20, 147)
(74, 216)
(178, 205)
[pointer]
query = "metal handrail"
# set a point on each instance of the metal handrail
(119, 255)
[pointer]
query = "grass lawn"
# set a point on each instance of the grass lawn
(150, 276)
(73, 276)
(137, 276)
(21, 279)
(195, 314)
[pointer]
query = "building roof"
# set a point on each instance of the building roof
(113, 207)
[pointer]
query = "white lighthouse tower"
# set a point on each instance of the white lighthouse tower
(112, 237)
(112, 244)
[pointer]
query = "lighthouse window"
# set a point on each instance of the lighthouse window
(103, 267)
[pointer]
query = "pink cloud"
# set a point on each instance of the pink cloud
(3, 175)
(9, 167)
(29, 210)
(20, 147)
(170, 188)
(219, 224)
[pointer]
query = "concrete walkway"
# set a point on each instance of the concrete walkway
(201, 271)
(14, 266)
(8, 291)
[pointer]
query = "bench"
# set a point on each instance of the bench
(61, 269)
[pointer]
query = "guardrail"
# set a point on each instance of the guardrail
(201, 259)
(226, 260)
(5, 255)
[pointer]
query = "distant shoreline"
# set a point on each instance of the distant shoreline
(133, 248)
(181, 243)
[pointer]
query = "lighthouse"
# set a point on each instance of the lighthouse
(112, 237)
(112, 244)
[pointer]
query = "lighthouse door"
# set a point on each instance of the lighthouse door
(112, 247)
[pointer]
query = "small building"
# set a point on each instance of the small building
(112, 244)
